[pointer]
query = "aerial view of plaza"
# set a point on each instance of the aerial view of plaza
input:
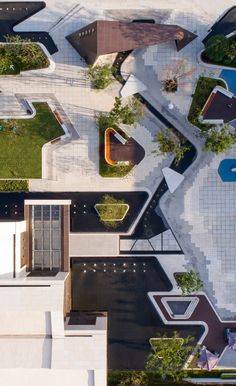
(117, 192)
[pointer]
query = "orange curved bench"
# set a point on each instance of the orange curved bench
(107, 133)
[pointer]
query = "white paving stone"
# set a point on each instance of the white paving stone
(210, 210)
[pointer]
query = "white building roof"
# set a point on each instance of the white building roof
(40, 377)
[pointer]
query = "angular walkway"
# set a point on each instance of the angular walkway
(204, 313)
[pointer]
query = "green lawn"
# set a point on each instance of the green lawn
(21, 142)
(203, 89)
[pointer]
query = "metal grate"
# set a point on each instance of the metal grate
(46, 237)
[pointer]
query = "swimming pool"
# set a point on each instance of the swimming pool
(229, 76)
(225, 170)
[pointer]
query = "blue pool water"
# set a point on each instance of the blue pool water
(225, 170)
(230, 78)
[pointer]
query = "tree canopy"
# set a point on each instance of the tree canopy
(219, 140)
(189, 282)
(169, 355)
(101, 75)
(217, 47)
(127, 114)
(171, 143)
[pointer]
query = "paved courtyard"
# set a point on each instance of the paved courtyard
(202, 211)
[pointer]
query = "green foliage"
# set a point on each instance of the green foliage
(134, 378)
(219, 140)
(21, 142)
(225, 51)
(203, 89)
(14, 185)
(20, 56)
(16, 39)
(169, 355)
(152, 378)
(189, 282)
(127, 114)
(101, 76)
(171, 143)
(110, 209)
(217, 48)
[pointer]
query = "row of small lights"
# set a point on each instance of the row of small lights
(114, 264)
(6, 206)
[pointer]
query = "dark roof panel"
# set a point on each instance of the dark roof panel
(220, 106)
(106, 37)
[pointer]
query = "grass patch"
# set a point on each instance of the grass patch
(106, 170)
(15, 58)
(111, 211)
(14, 186)
(21, 142)
(203, 89)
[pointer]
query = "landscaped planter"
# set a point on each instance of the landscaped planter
(171, 85)
(214, 65)
(49, 63)
(122, 140)
(119, 210)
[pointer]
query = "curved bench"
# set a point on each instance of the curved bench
(107, 150)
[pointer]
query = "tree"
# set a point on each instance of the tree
(134, 378)
(189, 282)
(168, 356)
(170, 143)
(101, 75)
(216, 48)
(174, 72)
(127, 114)
(132, 112)
(219, 140)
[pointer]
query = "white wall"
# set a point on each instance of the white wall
(7, 231)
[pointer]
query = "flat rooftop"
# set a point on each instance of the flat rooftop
(220, 107)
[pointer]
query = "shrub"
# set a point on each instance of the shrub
(219, 140)
(127, 114)
(111, 209)
(171, 143)
(217, 47)
(14, 185)
(101, 76)
(21, 55)
(189, 282)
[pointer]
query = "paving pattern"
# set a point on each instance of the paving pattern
(205, 204)
(210, 210)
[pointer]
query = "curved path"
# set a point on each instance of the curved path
(153, 221)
